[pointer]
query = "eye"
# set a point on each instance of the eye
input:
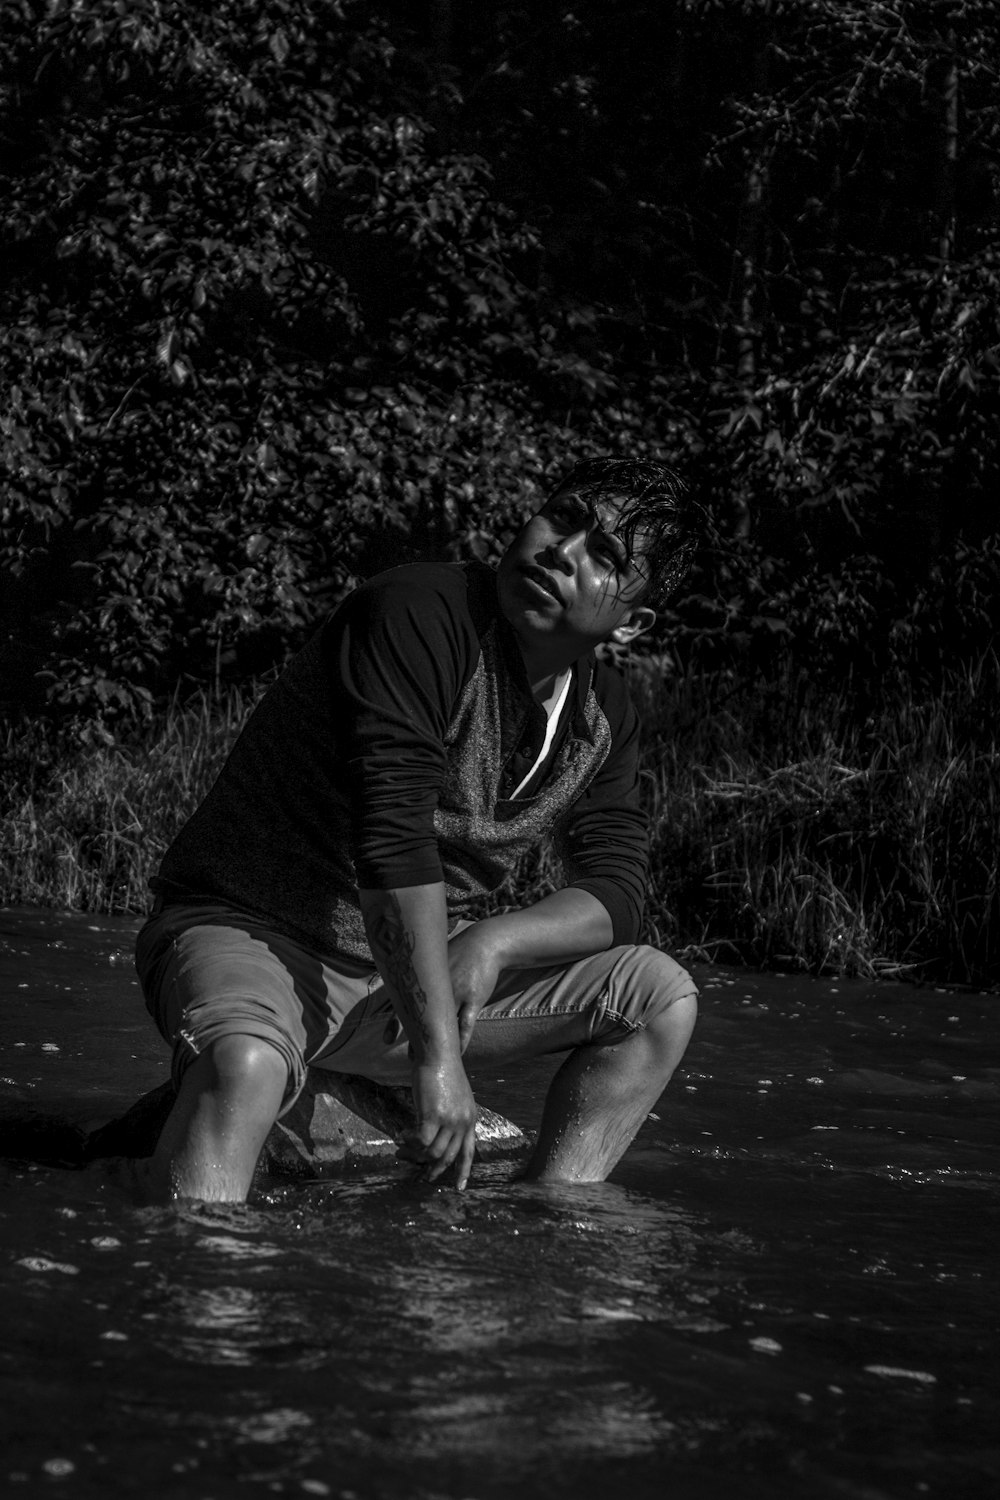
(610, 554)
(568, 512)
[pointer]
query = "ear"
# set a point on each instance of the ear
(635, 623)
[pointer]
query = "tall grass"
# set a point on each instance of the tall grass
(89, 817)
(786, 831)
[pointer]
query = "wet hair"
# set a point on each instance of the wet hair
(661, 520)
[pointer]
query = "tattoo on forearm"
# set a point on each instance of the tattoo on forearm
(393, 944)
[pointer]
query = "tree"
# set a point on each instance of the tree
(245, 321)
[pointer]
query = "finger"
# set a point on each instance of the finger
(466, 1021)
(465, 1157)
(434, 1156)
(449, 1149)
(413, 1148)
(425, 1140)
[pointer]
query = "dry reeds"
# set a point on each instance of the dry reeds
(786, 830)
(89, 817)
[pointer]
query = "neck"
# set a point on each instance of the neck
(547, 690)
(546, 679)
(544, 665)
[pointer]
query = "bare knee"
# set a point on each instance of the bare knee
(652, 984)
(673, 1024)
(664, 1005)
(228, 1100)
(241, 1065)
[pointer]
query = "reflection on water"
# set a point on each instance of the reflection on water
(785, 1291)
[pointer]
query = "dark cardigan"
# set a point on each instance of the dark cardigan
(385, 755)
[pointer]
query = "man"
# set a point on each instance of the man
(444, 720)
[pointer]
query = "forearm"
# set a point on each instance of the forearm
(567, 925)
(407, 931)
(408, 934)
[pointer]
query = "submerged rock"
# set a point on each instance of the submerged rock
(136, 1132)
(337, 1117)
(27, 1134)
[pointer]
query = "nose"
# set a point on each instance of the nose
(563, 549)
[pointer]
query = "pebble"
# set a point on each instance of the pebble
(895, 1372)
(42, 1263)
(612, 1314)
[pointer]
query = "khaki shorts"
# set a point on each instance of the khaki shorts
(209, 971)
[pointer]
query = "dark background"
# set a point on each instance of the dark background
(292, 290)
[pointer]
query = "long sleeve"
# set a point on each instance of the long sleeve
(603, 839)
(398, 653)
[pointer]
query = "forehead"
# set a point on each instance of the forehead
(611, 514)
(606, 510)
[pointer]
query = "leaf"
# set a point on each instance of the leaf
(166, 347)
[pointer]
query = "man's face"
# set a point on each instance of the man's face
(567, 577)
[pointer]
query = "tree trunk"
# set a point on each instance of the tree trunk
(441, 19)
(949, 153)
(751, 236)
(750, 252)
(442, 29)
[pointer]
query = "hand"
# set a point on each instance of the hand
(445, 1131)
(474, 962)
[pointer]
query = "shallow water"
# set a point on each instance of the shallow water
(788, 1288)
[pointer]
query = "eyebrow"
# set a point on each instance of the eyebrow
(615, 542)
(619, 547)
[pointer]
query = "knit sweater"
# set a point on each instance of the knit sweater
(385, 755)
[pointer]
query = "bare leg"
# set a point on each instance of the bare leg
(229, 1099)
(601, 1095)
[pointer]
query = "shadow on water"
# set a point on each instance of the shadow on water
(787, 1289)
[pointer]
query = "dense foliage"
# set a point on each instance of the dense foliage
(789, 214)
(248, 325)
(292, 287)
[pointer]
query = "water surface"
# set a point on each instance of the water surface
(788, 1287)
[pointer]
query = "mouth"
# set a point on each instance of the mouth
(541, 582)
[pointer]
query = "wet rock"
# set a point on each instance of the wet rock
(28, 1135)
(336, 1118)
(341, 1116)
(136, 1132)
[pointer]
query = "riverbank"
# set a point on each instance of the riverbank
(788, 831)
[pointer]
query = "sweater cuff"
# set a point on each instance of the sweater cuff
(625, 919)
(388, 874)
